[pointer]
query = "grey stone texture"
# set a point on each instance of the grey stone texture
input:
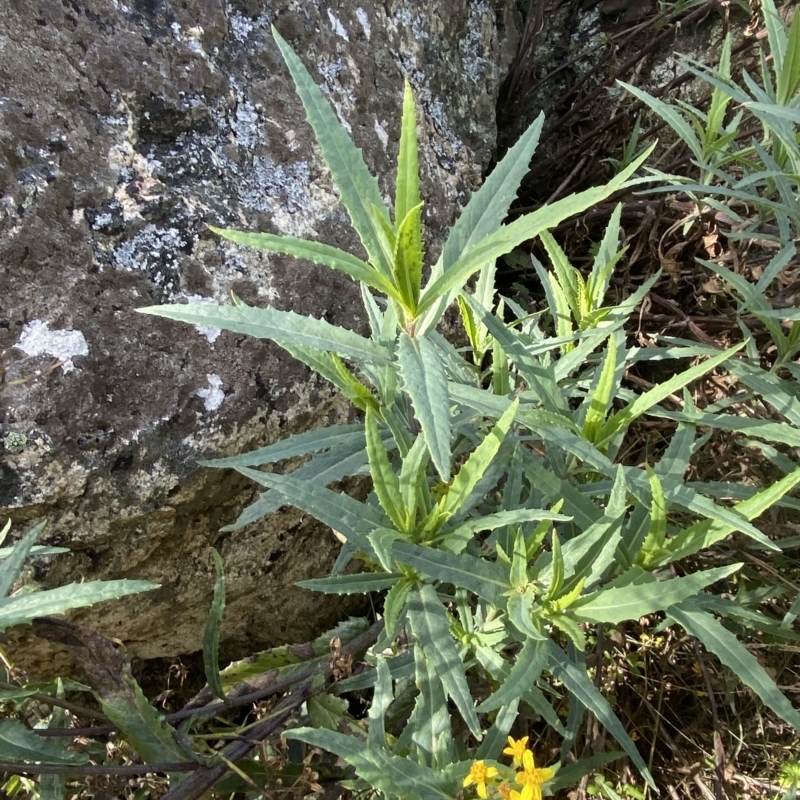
(125, 127)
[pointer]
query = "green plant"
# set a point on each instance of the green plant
(23, 606)
(500, 526)
(19, 744)
(737, 176)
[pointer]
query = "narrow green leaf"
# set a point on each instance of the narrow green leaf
(151, 736)
(484, 213)
(360, 583)
(540, 378)
(716, 638)
(572, 628)
(632, 602)
(406, 196)
(23, 608)
(425, 382)
(584, 691)
(496, 737)
(606, 259)
(18, 743)
(36, 550)
(394, 605)
(323, 468)
(557, 574)
(671, 116)
(408, 259)
(479, 576)
(644, 402)
(528, 666)
(326, 711)
(337, 510)
(381, 699)
(526, 227)
(380, 768)
(788, 75)
(384, 480)
(566, 275)
(603, 391)
(279, 326)
(430, 719)
(706, 532)
(12, 565)
(213, 625)
(412, 478)
(657, 534)
(358, 189)
(520, 612)
(431, 627)
(466, 479)
(317, 252)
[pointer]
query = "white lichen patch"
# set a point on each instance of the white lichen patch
(269, 186)
(363, 19)
(213, 395)
(337, 26)
(242, 26)
(37, 339)
(473, 59)
(382, 133)
(154, 250)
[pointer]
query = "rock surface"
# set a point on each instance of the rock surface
(124, 129)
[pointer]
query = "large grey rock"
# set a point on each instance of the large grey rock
(124, 128)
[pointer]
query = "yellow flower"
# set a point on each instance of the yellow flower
(532, 778)
(516, 749)
(479, 774)
(525, 794)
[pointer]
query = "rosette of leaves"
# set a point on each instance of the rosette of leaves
(501, 526)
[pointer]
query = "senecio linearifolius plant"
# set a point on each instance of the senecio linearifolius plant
(500, 529)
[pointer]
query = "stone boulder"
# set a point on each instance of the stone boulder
(124, 129)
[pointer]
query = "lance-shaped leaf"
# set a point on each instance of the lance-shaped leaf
(540, 378)
(299, 444)
(339, 511)
(580, 686)
(18, 743)
(381, 700)
(484, 213)
(431, 628)
(406, 195)
(358, 188)
(11, 566)
(23, 608)
(644, 402)
(279, 326)
(408, 259)
(484, 578)
(430, 720)
(476, 465)
(380, 768)
(323, 468)
(708, 531)
(317, 252)
(213, 625)
(733, 654)
(528, 226)
(426, 383)
(632, 602)
(530, 662)
(384, 480)
(361, 583)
